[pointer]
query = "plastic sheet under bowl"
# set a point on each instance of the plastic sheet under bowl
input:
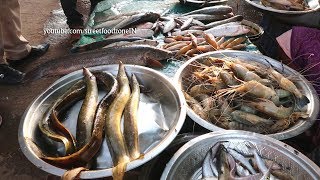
(161, 115)
(306, 88)
(187, 161)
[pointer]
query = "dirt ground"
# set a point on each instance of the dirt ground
(14, 100)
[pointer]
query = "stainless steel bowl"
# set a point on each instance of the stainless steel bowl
(186, 162)
(313, 4)
(162, 113)
(258, 29)
(306, 88)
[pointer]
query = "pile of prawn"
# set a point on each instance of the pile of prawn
(193, 44)
(243, 95)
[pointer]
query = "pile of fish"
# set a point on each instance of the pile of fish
(192, 45)
(217, 20)
(202, 3)
(243, 95)
(222, 162)
(94, 119)
(290, 5)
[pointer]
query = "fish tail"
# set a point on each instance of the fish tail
(119, 170)
(301, 102)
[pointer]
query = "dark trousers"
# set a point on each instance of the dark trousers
(74, 18)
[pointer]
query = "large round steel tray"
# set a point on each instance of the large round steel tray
(161, 114)
(187, 161)
(313, 4)
(303, 84)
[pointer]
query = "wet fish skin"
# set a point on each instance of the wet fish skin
(87, 110)
(213, 10)
(130, 113)
(233, 30)
(224, 21)
(207, 17)
(139, 55)
(109, 24)
(207, 171)
(223, 164)
(186, 24)
(87, 152)
(241, 159)
(169, 25)
(137, 19)
(102, 18)
(138, 42)
(100, 44)
(114, 136)
(232, 176)
(49, 126)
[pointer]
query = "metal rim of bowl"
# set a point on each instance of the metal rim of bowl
(270, 9)
(90, 174)
(237, 134)
(288, 133)
(259, 29)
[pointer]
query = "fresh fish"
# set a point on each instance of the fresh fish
(261, 165)
(137, 19)
(140, 55)
(209, 168)
(169, 26)
(204, 3)
(213, 10)
(185, 32)
(207, 17)
(186, 24)
(145, 25)
(223, 164)
(109, 24)
(138, 42)
(87, 152)
(100, 44)
(102, 17)
(50, 125)
(114, 136)
(130, 127)
(241, 171)
(233, 30)
(239, 157)
(207, 171)
(73, 173)
(217, 23)
(232, 175)
(88, 109)
(141, 33)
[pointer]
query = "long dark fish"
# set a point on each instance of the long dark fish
(88, 109)
(101, 17)
(87, 152)
(138, 42)
(143, 55)
(219, 9)
(101, 44)
(137, 19)
(224, 21)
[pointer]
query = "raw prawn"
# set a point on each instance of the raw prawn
(269, 108)
(252, 88)
(288, 85)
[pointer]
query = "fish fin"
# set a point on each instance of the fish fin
(73, 173)
(301, 102)
(119, 170)
(153, 63)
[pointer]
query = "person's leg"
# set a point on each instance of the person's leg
(15, 45)
(74, 18)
